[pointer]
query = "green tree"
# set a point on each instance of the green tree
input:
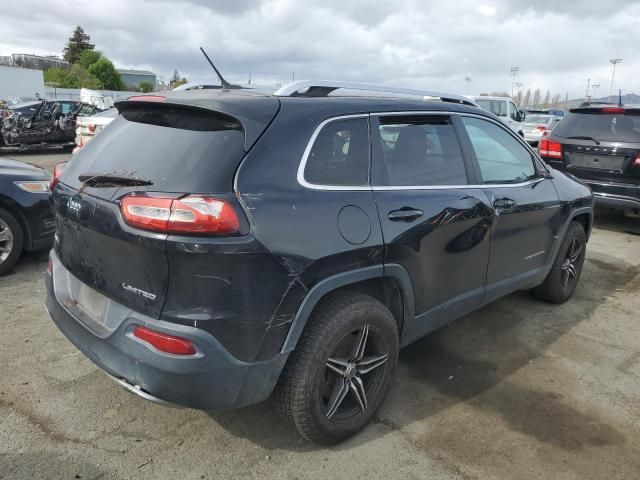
(88, 58)
(146, 86)
(106, 74)
(59, 77)
(176, 79)
(83, 78)
(78, 43)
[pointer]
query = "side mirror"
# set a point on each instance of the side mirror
(522, 115)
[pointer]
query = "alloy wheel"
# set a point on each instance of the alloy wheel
(569, 265)
(353, 373)
(6, 241)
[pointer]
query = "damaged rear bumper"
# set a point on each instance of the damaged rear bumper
(211, 379)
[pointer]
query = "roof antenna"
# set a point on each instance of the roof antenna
(223, 82)
(620, 97)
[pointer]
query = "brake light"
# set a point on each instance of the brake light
(147, 98)
(612, 110)
(91, 128)
(636, 162)
(165, 343)
(192, 214)
(58, 170)
(550, 149)
(542, 129)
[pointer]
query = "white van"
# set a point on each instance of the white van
(505, 108)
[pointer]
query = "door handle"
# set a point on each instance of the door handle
(504, 203)
(405, 214)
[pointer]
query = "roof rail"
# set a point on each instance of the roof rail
(322, 88)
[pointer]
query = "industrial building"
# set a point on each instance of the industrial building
(16, 82)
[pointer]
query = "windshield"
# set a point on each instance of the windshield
(603, 127)
(497, 107)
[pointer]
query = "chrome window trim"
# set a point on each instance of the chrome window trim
(303, 162)
(307, 151)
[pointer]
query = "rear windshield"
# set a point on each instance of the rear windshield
(178, 149)
(538, 119)
(497, 107)
(605, 127)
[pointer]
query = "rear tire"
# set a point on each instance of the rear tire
(564, 275)
(338, 376)
(11, 241)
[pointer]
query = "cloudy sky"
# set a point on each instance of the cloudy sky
(557, 44)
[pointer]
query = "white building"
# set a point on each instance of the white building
(20, 82)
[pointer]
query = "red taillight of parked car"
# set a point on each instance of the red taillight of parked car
(613, 110)
(542, 129)
(636, 162)
(91, 128)
(194, 214)
(550, 149)
(165, 343)
(58, 170)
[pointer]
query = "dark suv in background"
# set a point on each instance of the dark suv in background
(215, 247)
(601, 145)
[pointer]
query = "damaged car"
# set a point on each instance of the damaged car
(43, 124)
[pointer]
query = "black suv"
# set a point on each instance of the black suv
(215, 247)
(601, 145)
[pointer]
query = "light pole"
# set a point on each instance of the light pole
(614, 62)
(594, 89)
(468, 80)
(586, 95)
(514, 74)
(519, 86)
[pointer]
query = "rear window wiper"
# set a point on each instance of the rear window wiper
(112, 180)
(582, 137)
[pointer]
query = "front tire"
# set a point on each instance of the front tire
(11, 241)
(563, 277)
(338, 376)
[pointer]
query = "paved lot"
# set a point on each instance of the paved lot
(517, 390)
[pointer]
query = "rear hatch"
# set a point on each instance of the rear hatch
(597, 143)
(152, 150)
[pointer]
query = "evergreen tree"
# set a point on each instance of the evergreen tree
(78, 43)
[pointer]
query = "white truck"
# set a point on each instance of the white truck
(505, 108)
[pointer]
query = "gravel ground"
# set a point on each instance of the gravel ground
(519, 389)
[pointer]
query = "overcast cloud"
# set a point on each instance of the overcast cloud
(429, 44)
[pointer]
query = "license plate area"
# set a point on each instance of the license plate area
(598, 162)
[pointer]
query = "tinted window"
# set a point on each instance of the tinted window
(419, 151)
(502, 158)
(497, 107)
(340, 154)
(538, 119)
(610, 128)
(179, 150)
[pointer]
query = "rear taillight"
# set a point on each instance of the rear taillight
(91, 128)
(191, 215)
(542, 129)
(636, 162)
(58, 170)
(612, 110)
(550, 149)
(165, 343)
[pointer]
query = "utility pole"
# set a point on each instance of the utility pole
(614, 62)
(586, 95)
(514, 74)
(519, 87)
(468, 80)
(594, 89)
(293, 76)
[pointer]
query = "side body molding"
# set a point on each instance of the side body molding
(397, 272)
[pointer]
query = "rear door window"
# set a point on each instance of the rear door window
(501, 157)
(602, 127)
(497, 107)
(418, 151)
(340, 154)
